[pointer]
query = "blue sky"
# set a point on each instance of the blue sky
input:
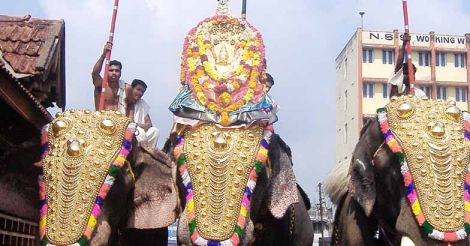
(302, 37)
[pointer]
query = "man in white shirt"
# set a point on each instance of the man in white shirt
(399, 80)
(138, 111)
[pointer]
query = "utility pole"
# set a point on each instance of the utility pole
(320, 191)
(362, 19)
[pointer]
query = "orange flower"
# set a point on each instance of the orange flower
(212, 107)
(235, 85)
(225, 99)
(225, 120)
(206, 84)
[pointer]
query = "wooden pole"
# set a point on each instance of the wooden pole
(104, 85)
(244, 10)
(411, 72)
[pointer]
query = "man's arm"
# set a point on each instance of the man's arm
(401, 53)
(147, 124)
(95, 74)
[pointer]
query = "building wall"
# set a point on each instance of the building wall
(377, 69)
(423, 73)
(347, 95)
(450, 72)
(370, 105)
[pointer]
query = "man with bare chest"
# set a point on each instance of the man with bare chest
(115, 92)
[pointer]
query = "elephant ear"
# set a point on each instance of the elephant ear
(362, 182)
(282, 191)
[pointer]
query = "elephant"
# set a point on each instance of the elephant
(143, 197)
(276, 189)
(151, 202)
(374, 209)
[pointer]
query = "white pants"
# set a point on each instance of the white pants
(150, 136)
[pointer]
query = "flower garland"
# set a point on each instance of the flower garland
(260, 161)
(103, 191)
(201, 75)
(410, 189)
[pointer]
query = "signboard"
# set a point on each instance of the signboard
(417, 40)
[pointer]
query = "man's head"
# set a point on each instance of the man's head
(114, 73)
(406, 79)
(269, 82)
(138, 89)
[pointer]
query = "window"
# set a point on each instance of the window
(346, 133)
(461, 94)
(441, 59)
(387, 56)
(427, 90)
(367, 55)
(345, 100)
(424, 59)
(368, 90)
(460, 60)
(442, 92)
(385, 90)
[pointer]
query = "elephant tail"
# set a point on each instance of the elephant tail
(336, 184)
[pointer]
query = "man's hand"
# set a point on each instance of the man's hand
(406, 38)
(107, 46)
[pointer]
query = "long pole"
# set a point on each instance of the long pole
(104, 85)
(244, 10)
(321, 211)
(411, 72)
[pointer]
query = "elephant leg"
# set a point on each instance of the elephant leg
(352, 226)
(302, 233)
(184, 239)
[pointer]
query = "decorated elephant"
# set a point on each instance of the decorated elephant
(235, 174)
(95, 182)
(408, 181)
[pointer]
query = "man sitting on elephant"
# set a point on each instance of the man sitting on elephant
(399, 80)
(137, 110)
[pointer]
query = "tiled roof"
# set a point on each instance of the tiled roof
(26, 43)
(27, 94)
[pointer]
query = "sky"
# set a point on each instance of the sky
(302, 38)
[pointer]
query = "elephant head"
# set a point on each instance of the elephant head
(120, 206)
(381, 187)
(277, 213)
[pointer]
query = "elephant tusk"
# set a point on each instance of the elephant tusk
(406, 241)
(361, 163)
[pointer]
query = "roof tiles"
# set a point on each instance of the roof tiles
(26, 43)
